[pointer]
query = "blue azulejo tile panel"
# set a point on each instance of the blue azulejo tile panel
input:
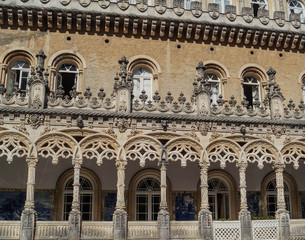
(43, 206)
(253, 203)
(109, 206)
(303, 205)
(12, 204)
(185, 207)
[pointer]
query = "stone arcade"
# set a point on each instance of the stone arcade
(187, 137)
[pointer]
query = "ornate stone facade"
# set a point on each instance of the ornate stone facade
(191, 124)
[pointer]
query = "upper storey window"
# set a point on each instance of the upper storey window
(18, 75)
(67, 77)
(297, 7)
(214, 81)
(303, 89)
(258, 4)
(142, 80)
(251, 88)
(222, 4)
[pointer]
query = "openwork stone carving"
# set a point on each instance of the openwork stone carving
(294, 153)
(260, 152)
(99, 147)
(13, 145)
(55, 146)
(142, 149)
(223, 151)
(183, 150)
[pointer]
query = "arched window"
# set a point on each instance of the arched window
(147, 199)
(18, 75)
(86, 198)
(271, 197)
(297, 7)
(67, 76)
(142, 80)
(251, 89)
(222, 4)
(214, 81)
(258, 4)
(219, 198)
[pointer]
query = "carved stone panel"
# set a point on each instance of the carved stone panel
(178, 7)
(142, 5)
(213, 9)
(196, 8)
(160, 6)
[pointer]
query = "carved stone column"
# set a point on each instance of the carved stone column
(120, 224)
(205, 216)
(244, 214)
(75, 216)
(28, 215)
(163, 215)
(281, 214)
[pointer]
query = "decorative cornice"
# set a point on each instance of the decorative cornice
(152, 116)
(229, 27)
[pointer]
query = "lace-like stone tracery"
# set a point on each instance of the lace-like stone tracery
(293, 153)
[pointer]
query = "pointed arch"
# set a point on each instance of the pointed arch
(261, 151)
(100, 147)
(143, 148)
(15, 145)
(223, 150)
(57, 146)
(183, 149)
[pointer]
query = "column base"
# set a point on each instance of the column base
(120, 225)
(245, 224)
(205, 224)
(75, 221)
(284, 224)
(163, 224)
(27, 228)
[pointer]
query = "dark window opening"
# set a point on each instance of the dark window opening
(248, 94)
(255, 9)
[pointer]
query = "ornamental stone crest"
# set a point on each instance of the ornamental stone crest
(247, 14)
(104, 3)
(230, 11)
(123, 4)
(213, 9)
(160, 6)
(279, 18)
(178, 6)
(142, 5)
(295, 19)
(263, 16)
(196, 8)
(35, 120)
(122, 124)
(65, 2)
(85, 3)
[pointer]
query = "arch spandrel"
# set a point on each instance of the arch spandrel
(142, 148)
(184, 149)
(57, 146)
(100, 147)
(261, 151)
(293, 152)
(15, 145)
(223, 150)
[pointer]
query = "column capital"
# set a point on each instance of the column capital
(32, 161)
(279, 166)
(77, 161)
(120, 163)
(242, 165)
(204, 165)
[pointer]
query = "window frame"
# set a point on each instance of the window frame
(291, 9)
(222, 5)
(142, 78)
(214, 99)
(59, 77)
(257, 85)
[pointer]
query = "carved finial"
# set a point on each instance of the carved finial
(40, 62)
(123, 65)
(200, 70)
(271, 73)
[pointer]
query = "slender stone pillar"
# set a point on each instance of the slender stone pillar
(244, 214)
(281, 214)
(163, 215)
(205, 216)
(75, 216)
(120, 224)
(28, 215)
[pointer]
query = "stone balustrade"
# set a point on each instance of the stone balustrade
(143, 230)
(51, 230)
(97, 230)
(9, 229)
(184, 230)
(297, 229)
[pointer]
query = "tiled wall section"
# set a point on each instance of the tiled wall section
(185, 207)
(253, 203)
(109, 206)
(12, 204)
